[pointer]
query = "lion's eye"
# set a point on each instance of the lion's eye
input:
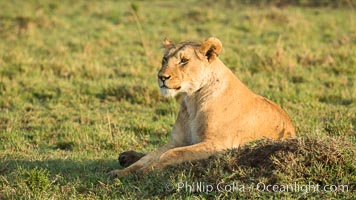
(164, 60)
(183, 61)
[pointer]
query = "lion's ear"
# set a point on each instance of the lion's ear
(211, 48)
(167, 43)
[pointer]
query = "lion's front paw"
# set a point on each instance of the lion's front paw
(118, 173)
(129, 157)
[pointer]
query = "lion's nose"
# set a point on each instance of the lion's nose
(163, 77)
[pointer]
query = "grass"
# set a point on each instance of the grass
(78, 86)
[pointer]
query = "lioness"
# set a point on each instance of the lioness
(217, 112)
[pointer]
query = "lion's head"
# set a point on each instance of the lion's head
(185, 66)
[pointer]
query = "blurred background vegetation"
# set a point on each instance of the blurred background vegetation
(301, 3)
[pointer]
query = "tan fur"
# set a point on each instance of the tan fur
(218, 111)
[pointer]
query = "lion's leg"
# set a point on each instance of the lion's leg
(182, 154)
(144, 161)
(178, 139)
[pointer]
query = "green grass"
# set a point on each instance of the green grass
(78, 86)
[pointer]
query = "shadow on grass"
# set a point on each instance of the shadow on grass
(58, 179)
(84, 170)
